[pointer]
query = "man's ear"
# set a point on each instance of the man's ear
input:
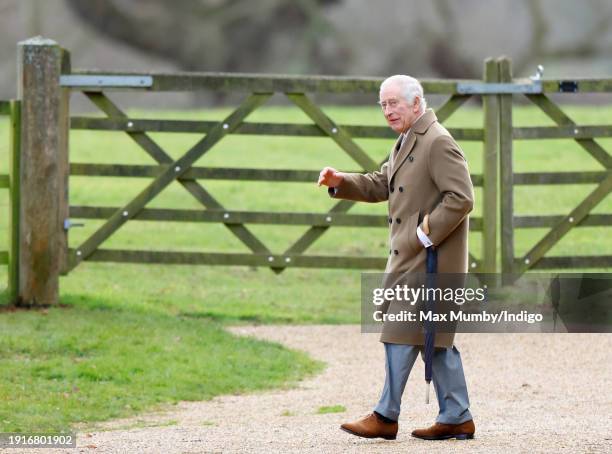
(417, 104)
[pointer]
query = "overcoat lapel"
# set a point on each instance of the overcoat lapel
(403, 153)
(419, 127)
(393, 153)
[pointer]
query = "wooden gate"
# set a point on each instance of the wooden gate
(257, 89)
(581, 215)
(49, 166)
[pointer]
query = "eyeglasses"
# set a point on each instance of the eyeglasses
(392, 103)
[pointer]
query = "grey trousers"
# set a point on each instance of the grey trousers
(447, 377)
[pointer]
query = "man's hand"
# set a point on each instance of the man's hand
(330, 177)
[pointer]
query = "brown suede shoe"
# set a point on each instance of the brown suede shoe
(441, 431)
(371, 426)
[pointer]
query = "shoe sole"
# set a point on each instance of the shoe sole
(386, 437)
(447, 437)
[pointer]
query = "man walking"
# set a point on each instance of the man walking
(429, 192)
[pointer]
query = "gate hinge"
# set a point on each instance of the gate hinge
(69, 224)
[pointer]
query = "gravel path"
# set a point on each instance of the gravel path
(529, 393)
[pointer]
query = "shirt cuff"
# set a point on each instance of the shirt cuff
(424, 239)
(332, 191)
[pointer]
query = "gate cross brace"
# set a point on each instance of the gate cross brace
(173, 172)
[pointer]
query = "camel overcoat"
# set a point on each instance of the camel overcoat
(428, 173)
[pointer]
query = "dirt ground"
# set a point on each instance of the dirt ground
(528, 393)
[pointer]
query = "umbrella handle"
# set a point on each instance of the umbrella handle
(427, 392)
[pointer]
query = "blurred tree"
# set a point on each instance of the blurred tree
(588, 44)
(33, 17)
(227, 35)
(451, 56)
(445, 57)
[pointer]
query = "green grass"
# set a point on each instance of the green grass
(331, 409)
(95, 361)
(132, 337)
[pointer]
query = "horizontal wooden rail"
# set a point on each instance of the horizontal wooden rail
(586, 261)
(210, 173)
(247, 217)
(537, 178)
(591, 220)
(561, 132)
(535, 87)
(293, 84)
(259, 83)
(247, 128)
(582, 85)
(211, 258)
(237, 217)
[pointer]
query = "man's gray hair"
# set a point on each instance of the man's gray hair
(410, 88)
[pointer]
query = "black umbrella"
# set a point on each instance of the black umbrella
(430, 332)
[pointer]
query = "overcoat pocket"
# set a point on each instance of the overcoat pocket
(409, 243)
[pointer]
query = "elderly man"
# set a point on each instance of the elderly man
(429, 192)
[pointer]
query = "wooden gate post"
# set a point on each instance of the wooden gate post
(43, 171)
(506, 173)
(490, 105)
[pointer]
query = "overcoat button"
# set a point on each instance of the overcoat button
(396, 252)
(392, 188)
(390, 220)
(401, 189)
(398, 220)
(410, 158)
